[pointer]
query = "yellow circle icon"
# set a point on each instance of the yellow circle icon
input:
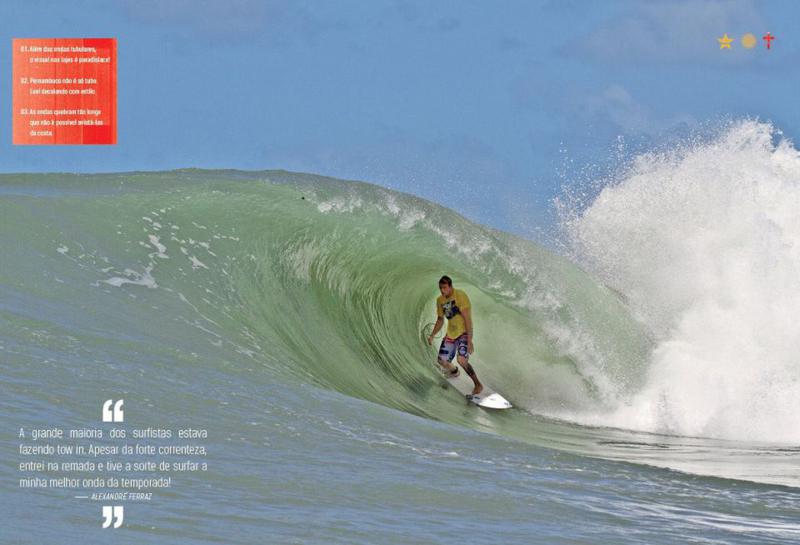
(749, 41)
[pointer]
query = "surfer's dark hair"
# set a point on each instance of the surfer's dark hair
(446, 280)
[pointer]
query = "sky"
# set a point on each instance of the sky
(489, 108)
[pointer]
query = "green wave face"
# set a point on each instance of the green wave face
(176, 288)
(318, 280)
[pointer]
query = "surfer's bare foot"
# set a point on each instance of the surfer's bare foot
(477, 389)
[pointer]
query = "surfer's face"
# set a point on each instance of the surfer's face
(445, 289)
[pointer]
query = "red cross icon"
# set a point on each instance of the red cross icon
(768, 38)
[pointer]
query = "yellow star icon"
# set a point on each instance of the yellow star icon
(725, 42)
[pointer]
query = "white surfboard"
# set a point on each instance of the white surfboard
(488, 398)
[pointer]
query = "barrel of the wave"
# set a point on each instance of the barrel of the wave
(488, 398)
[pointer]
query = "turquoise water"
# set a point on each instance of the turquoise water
(283, 312)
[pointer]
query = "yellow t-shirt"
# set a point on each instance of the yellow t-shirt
(451, 308)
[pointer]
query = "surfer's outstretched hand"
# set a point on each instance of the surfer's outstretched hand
(470, 347)
(430, 339)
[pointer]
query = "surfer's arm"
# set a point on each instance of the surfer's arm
(436, 327)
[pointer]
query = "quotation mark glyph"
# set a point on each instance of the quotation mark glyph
(115, 514)
(115, 415)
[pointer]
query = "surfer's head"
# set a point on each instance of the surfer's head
(446, 285)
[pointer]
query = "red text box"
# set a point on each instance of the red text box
(65, 90)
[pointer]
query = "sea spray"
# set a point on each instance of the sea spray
(704, 243)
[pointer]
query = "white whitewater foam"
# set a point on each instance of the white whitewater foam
(704, 242)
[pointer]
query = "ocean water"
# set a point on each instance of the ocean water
(652, 364)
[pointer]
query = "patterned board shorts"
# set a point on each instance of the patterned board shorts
(449, 347)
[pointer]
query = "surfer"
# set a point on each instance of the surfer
(455, 306)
